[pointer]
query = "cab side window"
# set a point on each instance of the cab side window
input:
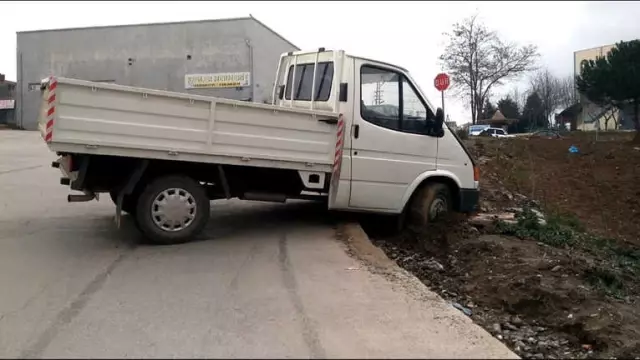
(414, 112)
(380, 97)
(388, 99)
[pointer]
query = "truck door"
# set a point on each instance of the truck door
(389, 148)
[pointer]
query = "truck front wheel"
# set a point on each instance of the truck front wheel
(430, 203)
(172, 209)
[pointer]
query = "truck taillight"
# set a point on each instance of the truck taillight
(476, 173)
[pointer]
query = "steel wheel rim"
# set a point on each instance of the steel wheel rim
(438, 207)
(173, 209)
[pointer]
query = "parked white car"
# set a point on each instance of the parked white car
(475, 130)
(495, 132)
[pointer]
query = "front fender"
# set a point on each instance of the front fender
(424, 176)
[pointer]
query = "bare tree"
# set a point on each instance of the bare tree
(478, 60)
(547, 86)
(556, 93)
(568, 95)
(519, 97)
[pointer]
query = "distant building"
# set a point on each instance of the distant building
(197, 57)
(497, 120)
(587, 115)
(7, 101)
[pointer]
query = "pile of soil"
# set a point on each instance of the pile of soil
(578, 299)
(599, 185)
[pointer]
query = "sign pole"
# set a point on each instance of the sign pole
(441, 83)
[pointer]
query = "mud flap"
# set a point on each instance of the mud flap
(128, 188)
(337, 162)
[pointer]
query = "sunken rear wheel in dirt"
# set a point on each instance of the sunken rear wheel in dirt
(172, 210)
(429, 204)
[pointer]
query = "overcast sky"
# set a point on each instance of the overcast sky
(408, 34)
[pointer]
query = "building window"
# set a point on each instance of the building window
(304, 82)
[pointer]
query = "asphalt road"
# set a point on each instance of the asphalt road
(265, 280)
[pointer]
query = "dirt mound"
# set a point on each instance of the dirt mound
(599, 185)
(540, 300)
(565, 286)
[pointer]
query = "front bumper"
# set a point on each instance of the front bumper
(469, 199)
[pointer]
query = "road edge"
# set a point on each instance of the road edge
(360, 246)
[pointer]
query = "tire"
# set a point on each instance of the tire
(161, 229)
(128, 202)
(429, 204)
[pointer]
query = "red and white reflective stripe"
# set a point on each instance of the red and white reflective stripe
(53, 84)
(337, 160)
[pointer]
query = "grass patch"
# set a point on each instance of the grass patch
(566, 231)
(566, 219)
(606, 281)
(529, 226)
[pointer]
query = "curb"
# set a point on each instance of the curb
(359, 245)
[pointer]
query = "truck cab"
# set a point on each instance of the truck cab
(395, 145)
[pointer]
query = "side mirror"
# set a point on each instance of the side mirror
(439, 118)
(434, 128)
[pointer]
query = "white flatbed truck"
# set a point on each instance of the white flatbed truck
(356, 133)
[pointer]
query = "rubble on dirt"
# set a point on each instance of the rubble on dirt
(563, 283)
(509, 216)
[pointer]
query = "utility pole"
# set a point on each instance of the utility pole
(377, 95)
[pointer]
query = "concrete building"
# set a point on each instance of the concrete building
(589, 116)
(230, 58)
(7, 101)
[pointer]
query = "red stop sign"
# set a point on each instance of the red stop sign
(441, 82)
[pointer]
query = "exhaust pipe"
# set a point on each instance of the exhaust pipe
(80, 198)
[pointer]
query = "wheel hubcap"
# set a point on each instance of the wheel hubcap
(173, 209)
(438, 207)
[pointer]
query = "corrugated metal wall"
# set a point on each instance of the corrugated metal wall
(156, 56)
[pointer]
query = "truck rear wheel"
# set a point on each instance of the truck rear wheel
(172, 210)
(430, 204)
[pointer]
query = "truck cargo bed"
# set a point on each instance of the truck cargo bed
(94, 118)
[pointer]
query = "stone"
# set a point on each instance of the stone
(496, 328)
(465, 310)
(520, 344)
(556, 268)
(531, 340)
(538, 356)
(510, 326)
(516, 321)
(433, 265)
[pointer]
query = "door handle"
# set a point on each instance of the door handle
(356, 131)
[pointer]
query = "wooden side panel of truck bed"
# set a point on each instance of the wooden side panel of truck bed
(119, 120)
